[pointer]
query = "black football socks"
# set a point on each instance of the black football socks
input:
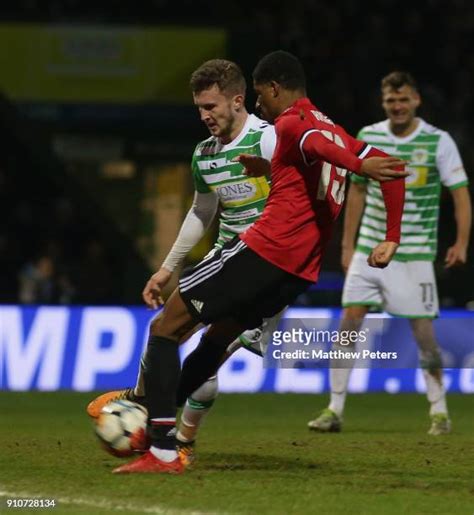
(161, 373)
(201, 364)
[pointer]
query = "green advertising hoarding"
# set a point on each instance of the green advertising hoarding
(82, 64)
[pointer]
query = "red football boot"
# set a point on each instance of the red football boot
(149, 464)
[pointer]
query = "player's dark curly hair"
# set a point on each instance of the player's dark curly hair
(225, 74)
(397, 79)
(281, 67)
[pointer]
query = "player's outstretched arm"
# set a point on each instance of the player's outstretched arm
(377, 165)
(393, 192)
(194, 226)
(383, 169)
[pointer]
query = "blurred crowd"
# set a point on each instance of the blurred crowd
(48, 253)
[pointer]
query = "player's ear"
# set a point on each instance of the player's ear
(238, 102)
(417, 99)
(275, 87)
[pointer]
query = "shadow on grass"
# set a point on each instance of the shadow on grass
(245, 461)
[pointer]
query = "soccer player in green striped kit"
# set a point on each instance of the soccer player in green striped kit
(407, 288)
(218, 88)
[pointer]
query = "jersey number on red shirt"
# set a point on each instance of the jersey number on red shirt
(332, 182)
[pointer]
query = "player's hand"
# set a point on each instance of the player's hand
(346, 257)
(254, 166)
(455, 256)
(152, 291)
(382, 254)
(383, 168)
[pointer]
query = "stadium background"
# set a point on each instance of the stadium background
(97, 129)
(96, 132)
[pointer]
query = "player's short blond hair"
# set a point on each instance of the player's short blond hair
(225, 74)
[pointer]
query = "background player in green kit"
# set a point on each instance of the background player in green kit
(407, 288)
(218, 88)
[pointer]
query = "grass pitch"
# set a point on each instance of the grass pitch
(255, 455)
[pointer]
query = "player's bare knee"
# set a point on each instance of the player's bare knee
(352, 318)
(423, 333)
(354, 312)
(157, 327)
(174, 322)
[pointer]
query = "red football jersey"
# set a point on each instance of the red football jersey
(309, 168)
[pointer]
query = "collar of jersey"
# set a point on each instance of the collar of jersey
(408, 138)
(301, 102)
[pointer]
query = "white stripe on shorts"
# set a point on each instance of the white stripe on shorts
(200, 270)
(201, 267)
(211, 269)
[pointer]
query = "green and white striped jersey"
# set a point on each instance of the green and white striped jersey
(433, 159)
(241, 198)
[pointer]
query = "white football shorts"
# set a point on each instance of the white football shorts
(406, 289)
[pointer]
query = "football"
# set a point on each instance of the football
(120, 425)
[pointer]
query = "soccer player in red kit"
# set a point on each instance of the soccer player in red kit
(257, 274)
(311, 155)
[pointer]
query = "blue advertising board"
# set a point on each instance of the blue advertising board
(98, 348)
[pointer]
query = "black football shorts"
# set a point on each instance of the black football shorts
(235, 282)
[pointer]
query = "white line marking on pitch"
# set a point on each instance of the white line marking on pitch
(101, 503)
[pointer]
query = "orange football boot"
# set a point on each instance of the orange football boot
(186, 453)
(95, 406)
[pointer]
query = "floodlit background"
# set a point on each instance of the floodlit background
(98, 127)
